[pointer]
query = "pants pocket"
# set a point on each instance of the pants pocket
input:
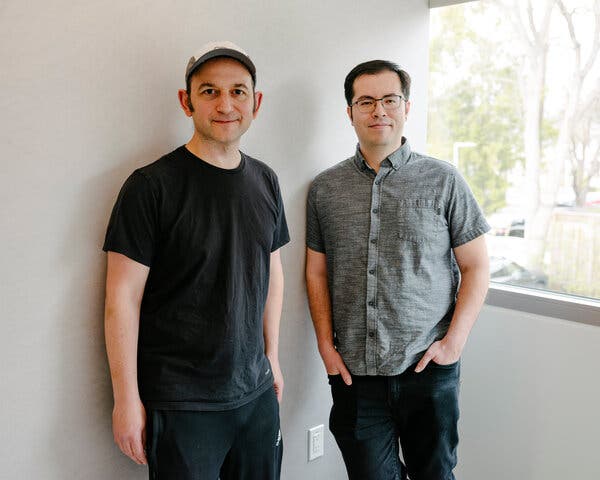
(343, 411)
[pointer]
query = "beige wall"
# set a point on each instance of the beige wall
(88, 92)
(530, 399)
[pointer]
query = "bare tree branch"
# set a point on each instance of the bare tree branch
(532, 27)
(568, 16)
(596, 42)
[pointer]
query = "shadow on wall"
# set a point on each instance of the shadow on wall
(85, 392)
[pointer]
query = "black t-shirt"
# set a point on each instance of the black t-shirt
(207, 234)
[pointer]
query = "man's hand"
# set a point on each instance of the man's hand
(334, 364)
(442, 352)
(129, 430)
(278, 383)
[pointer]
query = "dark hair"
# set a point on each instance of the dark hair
(371, 68)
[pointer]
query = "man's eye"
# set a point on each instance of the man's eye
(390, 101)
(239, 93)
(365, 103)
(208, 92)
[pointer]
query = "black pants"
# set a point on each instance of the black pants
(420, 410)
(240, 444)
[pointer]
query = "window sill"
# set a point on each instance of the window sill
(446, 3)
(541, 302)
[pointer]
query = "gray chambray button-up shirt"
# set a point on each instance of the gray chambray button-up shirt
(388, 239)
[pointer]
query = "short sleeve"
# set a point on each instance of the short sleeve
(132, 228)
(281, 235)
(465, 218)
(314, 239)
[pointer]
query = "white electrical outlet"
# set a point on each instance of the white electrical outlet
(315, 442)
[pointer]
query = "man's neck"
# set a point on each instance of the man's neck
(374, 155)
(221, 156)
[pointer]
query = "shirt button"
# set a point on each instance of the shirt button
(371, 334)
(372, 271)
(371, 303)
(375, 210)
(374, 241)
(377, 182)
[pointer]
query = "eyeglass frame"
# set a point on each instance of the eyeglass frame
(375, 100)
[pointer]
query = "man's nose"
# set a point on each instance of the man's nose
(225, 104)
(379, 111)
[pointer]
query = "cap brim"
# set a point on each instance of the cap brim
(223, 52)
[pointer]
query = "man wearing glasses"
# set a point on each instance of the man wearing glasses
(390, 236)
(194, 290)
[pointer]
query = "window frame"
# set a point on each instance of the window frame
(447, 3)
(544, 302)
(529, 300)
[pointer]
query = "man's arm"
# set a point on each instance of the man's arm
(125, 282)
(272, 318)
(320, 311)
(474, 265)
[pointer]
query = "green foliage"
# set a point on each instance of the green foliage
(474, 97)
(549, 133)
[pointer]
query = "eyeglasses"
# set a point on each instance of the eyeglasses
(368, 104)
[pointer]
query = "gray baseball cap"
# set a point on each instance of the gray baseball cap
(219, 49)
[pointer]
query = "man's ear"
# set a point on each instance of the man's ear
(185, 102)
(349, 112)
(258, 96)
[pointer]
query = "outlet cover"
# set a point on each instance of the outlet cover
(316, 440)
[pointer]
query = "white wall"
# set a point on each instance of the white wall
(88, 92)
(530, 399)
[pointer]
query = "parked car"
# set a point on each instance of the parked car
(504, 270)
(592, 199)
(517, 228)
(507, 224)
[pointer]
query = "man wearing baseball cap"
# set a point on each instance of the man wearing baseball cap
(194, 291)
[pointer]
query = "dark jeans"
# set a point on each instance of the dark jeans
(240, 444)
(418, 409)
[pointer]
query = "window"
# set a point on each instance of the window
(514, 103)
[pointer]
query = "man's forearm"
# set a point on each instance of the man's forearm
(468, 304)
(121, 331)
(273, 306)
(319, 299)
(473, 263)
(471, 295)
(319, 303)
(125, 283)
(271, 321)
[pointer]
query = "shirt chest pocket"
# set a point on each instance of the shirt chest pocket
(421, 219)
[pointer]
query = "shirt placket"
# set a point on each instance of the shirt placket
(372, 268)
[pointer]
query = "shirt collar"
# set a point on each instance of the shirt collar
(397, 158)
